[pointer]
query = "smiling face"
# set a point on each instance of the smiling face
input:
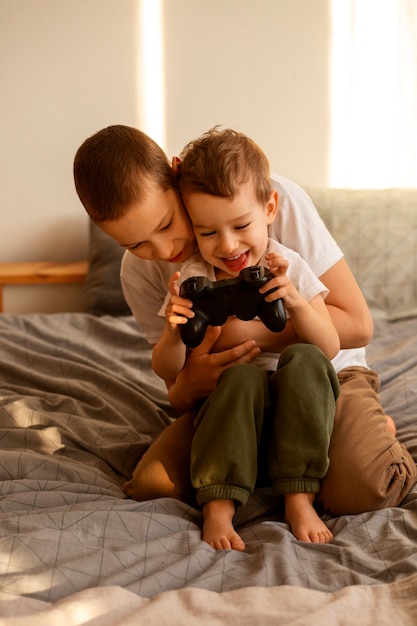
(155, 229)
(231, 233)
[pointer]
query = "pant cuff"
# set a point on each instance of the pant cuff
(295, 485)
(222, 492)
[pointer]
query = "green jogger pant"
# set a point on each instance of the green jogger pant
(275, 424)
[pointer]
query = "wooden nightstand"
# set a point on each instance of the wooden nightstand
(41, 272)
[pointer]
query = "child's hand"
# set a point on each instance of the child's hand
(284, 288)
(178, 309)
(277, 264)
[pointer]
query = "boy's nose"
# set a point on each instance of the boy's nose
(160, 250)
(228, 245)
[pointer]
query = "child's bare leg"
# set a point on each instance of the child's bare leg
(218, 529)
(303, 519)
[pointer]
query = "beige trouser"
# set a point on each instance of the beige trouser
(369, 469)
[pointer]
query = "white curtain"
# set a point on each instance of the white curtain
(374, 93)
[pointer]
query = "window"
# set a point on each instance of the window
(374, 93)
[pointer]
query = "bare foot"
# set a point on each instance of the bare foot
(391, 425)
(218, 529)
(303, 519)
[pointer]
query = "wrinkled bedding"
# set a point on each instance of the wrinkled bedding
(79, 404)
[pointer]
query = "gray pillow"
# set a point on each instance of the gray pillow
(377, 231)
(103, 293)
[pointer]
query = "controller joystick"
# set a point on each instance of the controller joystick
(214, 302)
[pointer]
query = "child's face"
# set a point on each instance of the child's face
(157, 229)
(231, 234)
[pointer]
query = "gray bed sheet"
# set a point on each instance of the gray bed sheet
(79, 404)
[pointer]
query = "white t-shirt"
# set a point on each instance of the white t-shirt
(297, 226)
(299, 272)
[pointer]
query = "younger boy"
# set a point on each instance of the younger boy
(225, 183)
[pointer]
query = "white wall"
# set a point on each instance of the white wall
(67, 69)
(71, 67)
(259, 66)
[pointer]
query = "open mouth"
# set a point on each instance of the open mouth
(236, 263)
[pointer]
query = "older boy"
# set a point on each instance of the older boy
(129, 189)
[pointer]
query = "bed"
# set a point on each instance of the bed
(79, 405)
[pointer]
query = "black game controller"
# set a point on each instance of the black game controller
(213, 302)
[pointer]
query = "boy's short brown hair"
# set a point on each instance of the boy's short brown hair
(220, 161)
(113, 168)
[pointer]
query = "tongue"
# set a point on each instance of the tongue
(236, 265)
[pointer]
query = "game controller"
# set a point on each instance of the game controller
(213, 302)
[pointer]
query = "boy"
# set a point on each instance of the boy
(129, 188)
(225, 184)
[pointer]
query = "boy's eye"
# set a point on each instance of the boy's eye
(242, 226)
(136, 246)
(167, 225)
(213, 232)
(162, 228)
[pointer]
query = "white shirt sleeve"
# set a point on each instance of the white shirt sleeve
(299, 227)
(144, 285)
(299, 272)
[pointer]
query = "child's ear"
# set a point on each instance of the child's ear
(271, 207)
(176, 164)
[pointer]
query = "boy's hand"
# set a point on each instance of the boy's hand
(278, 266)
(203, 367)
(178, 309)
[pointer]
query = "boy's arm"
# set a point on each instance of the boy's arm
(169, 354)
(312, 323)
(199, 376)
(347, 306)
(310, 319)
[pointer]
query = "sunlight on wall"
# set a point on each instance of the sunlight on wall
(364, 75)
(151, 85)
(363, 100)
